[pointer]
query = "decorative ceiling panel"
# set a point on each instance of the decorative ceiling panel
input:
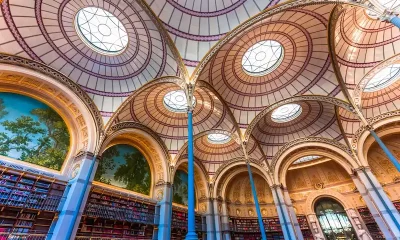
(196, 25)
(44, 30)
(305, 67)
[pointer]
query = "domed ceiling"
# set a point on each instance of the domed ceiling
(196, 25)
(44, 31)
(235, 93)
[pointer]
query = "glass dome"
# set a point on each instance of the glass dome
(305, 159)
(101, 30)
(383, 78)
(372, 14)
(286, 113)
(175, 101)
(218, 138)
(262, 58)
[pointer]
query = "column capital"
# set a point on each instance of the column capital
(361, 168)
(276, 186)
(85, 155)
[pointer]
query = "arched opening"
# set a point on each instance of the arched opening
(125, 166)
(333, 220)
(33, 132)
(180, 188)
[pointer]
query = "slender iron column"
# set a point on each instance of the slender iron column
(191, 215)
(383, 146)
(259, 216)
(395, 21)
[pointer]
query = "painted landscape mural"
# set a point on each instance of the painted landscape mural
(180, 188)
(31, 131)
(125, 166)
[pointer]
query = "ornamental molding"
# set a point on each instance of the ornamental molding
(300, 141)
(135, 125)
(267, 13)
(330, 100)
(61, 78)
(228, 163)
(359, 89)
(371, 122)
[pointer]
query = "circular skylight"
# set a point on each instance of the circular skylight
(383, 78)
(390, 4)
(262, 58)
(372, 14)
(101, 30)
(218, 138)
(305, 159)
(175, 101)
(286, 113)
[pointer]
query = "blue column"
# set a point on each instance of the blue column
(165, 218)
(383, 146)
(72, 208)
(191, 217)
(395, 21)
(259, 216)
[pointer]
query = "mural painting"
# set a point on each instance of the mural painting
(180, 190)
(31, 131)
(125, 166)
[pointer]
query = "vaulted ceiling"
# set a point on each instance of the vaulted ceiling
(330, 52)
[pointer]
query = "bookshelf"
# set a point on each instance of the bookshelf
(369, 221)
(28, 204)
(397, 205)
(179, 224)
(112, 215)
(305, 227)
(248, 229)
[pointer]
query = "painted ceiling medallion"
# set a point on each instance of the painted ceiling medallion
(383, 78)
(218, 138)
(175, 101)
(101, 30)
(286, 113)
(262, 58)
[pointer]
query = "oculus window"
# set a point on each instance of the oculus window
(383, 78)
(175, 101)
(262, 58)
(218, 138)
(286, 113)
(101, 30)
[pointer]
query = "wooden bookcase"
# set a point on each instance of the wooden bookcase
(369, 221)
(28, 204)
(248, 229)
(305, 227)
(114, 215)
(179, 224)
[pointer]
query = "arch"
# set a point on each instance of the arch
(331, 100)
(240, 162)
(201, 182)
(26, 77)
(311, 146)
(384, 124)
(314, 196)
(147, 142)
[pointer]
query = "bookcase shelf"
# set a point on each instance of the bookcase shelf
(369, 221)
(112, 215)
(248, 228)
(179, 224)
(28, 204)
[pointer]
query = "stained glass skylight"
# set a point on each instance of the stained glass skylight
(262, 58)
(305, 159)
(218, 138)
(383, 78)
(101, 30)
(175, 101)
(286, 113)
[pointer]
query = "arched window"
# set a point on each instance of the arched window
(333, 220)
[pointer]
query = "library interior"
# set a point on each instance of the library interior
(199, 119)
